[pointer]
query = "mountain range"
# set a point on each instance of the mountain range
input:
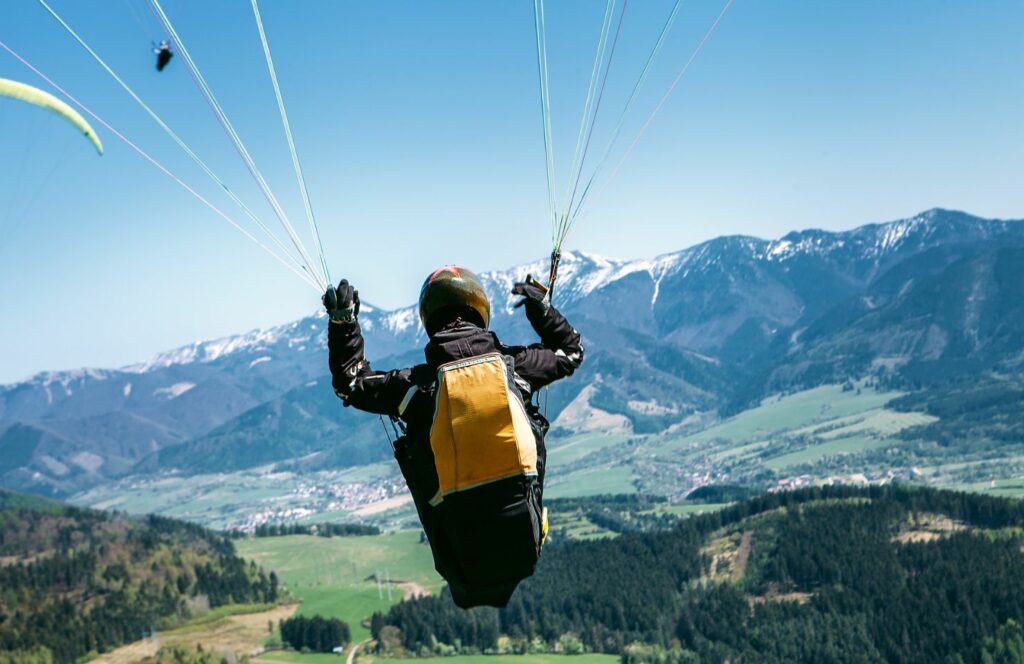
(687, 336)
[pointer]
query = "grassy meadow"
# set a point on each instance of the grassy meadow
(298, 658)
(336, 576)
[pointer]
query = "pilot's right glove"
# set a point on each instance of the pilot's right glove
(342, 303)
(535, 296)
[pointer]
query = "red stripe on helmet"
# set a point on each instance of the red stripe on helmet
(454, 269)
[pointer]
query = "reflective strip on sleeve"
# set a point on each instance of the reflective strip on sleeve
(406, 399)
(574, 358)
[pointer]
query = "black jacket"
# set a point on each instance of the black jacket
(383, 392)
(408, 395)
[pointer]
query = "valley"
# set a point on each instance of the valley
(696, 329)
(703, 363)
(834, 434)
(247, 498)
(732, 393)
(338, 577)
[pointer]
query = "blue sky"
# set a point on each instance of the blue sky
(419, 128)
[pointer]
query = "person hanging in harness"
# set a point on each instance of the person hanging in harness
(473, 450)
(163, 55)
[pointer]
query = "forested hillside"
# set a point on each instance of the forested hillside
(884, 574)
(76, 580)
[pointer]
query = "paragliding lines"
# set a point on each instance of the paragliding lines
(153, 161)
(174, 136)
(576, 207)
(545, 105)
(594, 75)
(668, 93)
(669, 22)
(314, 229)
(17, 207)
(236, 140)
(560, 221)
(590, 133)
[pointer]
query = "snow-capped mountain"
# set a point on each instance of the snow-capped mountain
(667, 337)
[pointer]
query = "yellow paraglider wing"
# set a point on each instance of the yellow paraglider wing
(37, 97)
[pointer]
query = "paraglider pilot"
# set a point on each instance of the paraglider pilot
(473, 450)
(163, 55)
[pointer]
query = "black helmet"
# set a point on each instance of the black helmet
(452, 291)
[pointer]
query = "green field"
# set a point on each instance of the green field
(563, 451)
(573, 524)
(590, 482)
(224, 500)
(789, 414)
(335, 576)
(687, 509)
(299, 658)
(1011, 488)
(831, 447)
(512, 659)
(821, 432)
(204, 498)
(460, 659)
(816, 426)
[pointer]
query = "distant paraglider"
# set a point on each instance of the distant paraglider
(36, 97)
(163, 55)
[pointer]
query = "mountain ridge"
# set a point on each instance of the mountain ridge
(683, 333)
(398, 319)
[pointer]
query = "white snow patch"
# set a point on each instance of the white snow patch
(127, 389)
(54, 466)
(64, 379)
(260, 360)
(174, 391)
(651, 407)
(401, 319)
(208, 351)
(87, 461)
(580, 274)
(895, 232)
(779, 249)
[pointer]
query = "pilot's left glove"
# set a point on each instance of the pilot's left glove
(342, 303)
(536, 298)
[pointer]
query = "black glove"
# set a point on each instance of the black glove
(342, 303)
(535, 297)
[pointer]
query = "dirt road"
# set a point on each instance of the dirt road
(742, 557)
(355, 649)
